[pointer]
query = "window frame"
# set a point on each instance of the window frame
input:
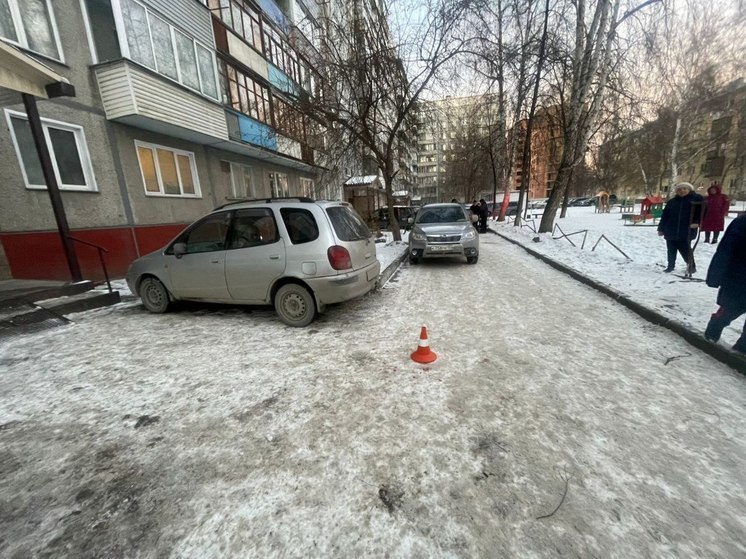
(17, 22)
(80, 141)
(162, 193)
(150, 13)
(232, 166)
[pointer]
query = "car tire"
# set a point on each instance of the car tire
(472, 259)
(414, 260)
(294, 305)
(154, 295)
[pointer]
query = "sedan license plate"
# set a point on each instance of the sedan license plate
(443, 248)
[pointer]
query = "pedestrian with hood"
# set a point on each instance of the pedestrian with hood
(728, 273)
(679, 223)
(716, 208)
(484, 212)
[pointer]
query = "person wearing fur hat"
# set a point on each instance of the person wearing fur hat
(728, 273)
(679, 223)
(716, 208)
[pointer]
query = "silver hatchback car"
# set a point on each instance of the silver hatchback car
(443, 230)
(296, 254)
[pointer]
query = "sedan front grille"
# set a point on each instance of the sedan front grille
(443, 238)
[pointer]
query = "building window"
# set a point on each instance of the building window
(240, 179)
(244, 94)
(102, 30)
(280, 53)
(167, 171)
(241, 17)
(278, 184)
(31, 25)
(289, 120)
(306, 188)
(71, 162)
(157, 45)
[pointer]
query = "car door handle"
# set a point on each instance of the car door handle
(274, 257)
(216, 261)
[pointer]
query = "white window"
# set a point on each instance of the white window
(31, 24)
(278, 183)
(158, 45)
(67, 147)
(306, 188)
(242, 182)
(167, 171)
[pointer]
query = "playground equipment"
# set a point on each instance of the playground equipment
(651, 209)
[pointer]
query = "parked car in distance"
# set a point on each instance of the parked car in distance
(440, 230)
(294, 253)
(403, 213)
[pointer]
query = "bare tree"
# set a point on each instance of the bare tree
(592, 56)
(378, 60)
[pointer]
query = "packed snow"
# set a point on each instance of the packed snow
(554, 422)
(640, 277)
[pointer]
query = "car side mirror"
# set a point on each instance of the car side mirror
(180, 249)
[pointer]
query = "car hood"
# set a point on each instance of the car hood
(443, 228)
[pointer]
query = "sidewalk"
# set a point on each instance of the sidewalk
(657, 297)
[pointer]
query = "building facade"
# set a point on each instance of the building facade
(181, 105)
(546, 152)
(711, 147)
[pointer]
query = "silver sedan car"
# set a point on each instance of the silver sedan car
(440, 230)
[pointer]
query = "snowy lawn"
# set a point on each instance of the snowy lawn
(641, 278)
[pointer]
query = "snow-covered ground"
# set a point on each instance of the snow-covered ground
(642, 277)
(554, 423)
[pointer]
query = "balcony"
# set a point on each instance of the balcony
(139, 97)
(275, 13)
(256, 139)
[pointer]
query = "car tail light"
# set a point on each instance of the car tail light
(339, 258)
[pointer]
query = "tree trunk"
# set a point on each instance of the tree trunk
(388, 181)
(674, 155)
(526, 163)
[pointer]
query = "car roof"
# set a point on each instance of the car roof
(294, 201)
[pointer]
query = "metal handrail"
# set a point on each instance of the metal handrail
(101, 251)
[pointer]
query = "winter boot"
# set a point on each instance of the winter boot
(740, 345)
(714, 330)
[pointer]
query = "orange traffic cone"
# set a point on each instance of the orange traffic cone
(424, 354)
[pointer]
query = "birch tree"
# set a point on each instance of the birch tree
(592, 57)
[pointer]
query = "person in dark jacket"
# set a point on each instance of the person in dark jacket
(716, 208)
(474, 209)
(728, 272)
(679, 223)
(484, 212)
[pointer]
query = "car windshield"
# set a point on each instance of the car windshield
(442, 214)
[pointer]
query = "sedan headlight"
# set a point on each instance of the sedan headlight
(417, 236)
(469, 234)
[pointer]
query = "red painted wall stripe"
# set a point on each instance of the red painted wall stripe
(39, 255)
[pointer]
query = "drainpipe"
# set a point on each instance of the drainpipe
(55, 90)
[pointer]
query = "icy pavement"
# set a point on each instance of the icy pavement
(689, 302)
(223, 433)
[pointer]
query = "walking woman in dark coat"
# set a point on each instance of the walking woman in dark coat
(484, 212)
(679, 223)
(716, 205)
(728, 272)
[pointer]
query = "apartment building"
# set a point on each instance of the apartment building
(453, 150)
(180, 106)
(711, 147)
(546, 152)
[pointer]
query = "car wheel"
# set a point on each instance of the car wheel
(472, 259)
(413, 260)
(295, 305)
(154, 295)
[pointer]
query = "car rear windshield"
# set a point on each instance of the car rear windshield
(347, 224)
(443, 214)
